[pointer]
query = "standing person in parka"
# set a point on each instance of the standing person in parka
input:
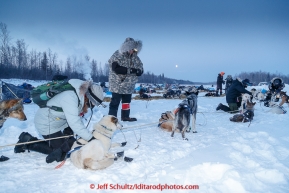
(124, 69)
(220, 81)
(229, 81)
(237, 88)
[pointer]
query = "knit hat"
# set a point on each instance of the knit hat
(95, 94)
(222, 73)
(246, 82)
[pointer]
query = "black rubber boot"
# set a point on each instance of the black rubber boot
(219, 106)
(41, 147)
(125, 116)
(223, 107)
(24, 137)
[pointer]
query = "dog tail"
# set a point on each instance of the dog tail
(89, 163)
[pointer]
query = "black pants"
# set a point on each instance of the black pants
(64, 143)
(219, 87)
(115, 101)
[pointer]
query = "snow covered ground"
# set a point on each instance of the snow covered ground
(222, 157)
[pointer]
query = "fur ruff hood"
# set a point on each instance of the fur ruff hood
(130, 44)
(80, 86)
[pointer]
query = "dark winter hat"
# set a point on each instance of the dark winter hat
(95, 95)
(246, 82)
(130, 44)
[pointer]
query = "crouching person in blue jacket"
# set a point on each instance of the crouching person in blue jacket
(236, 89)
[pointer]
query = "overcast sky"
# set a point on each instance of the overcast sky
(201, 37)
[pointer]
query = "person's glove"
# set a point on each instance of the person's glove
(138, 72)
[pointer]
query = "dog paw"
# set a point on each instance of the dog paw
(128, 159)
(195, 132)
(123, 144)
(186, 139)
(120, 154)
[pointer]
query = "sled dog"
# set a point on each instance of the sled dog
(279, 109)
(245, 98)
(95, 154)
(183, 113)
(284, 98)
(166, 121)
(257, 94)
(247, 115)
(11, 108)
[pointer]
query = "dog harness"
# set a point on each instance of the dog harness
(106, 128)
(185, 106)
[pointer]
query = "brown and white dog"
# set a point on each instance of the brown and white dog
(166, 121)
(12, 108)
(95, 154)
(284, 98)
(279, 109)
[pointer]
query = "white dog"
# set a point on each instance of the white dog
(257, 94)
(245, 98)
(95, 154)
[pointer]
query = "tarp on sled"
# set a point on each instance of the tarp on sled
(10, 91)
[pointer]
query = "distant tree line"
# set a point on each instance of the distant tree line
(259, 76)
(16, 61)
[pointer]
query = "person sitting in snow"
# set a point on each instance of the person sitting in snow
(237, 88)
(275, 87)
(61, 117)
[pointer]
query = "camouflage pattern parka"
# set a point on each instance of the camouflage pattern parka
(125, 83)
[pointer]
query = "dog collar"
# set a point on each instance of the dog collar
(106, 128)
(103, 134)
